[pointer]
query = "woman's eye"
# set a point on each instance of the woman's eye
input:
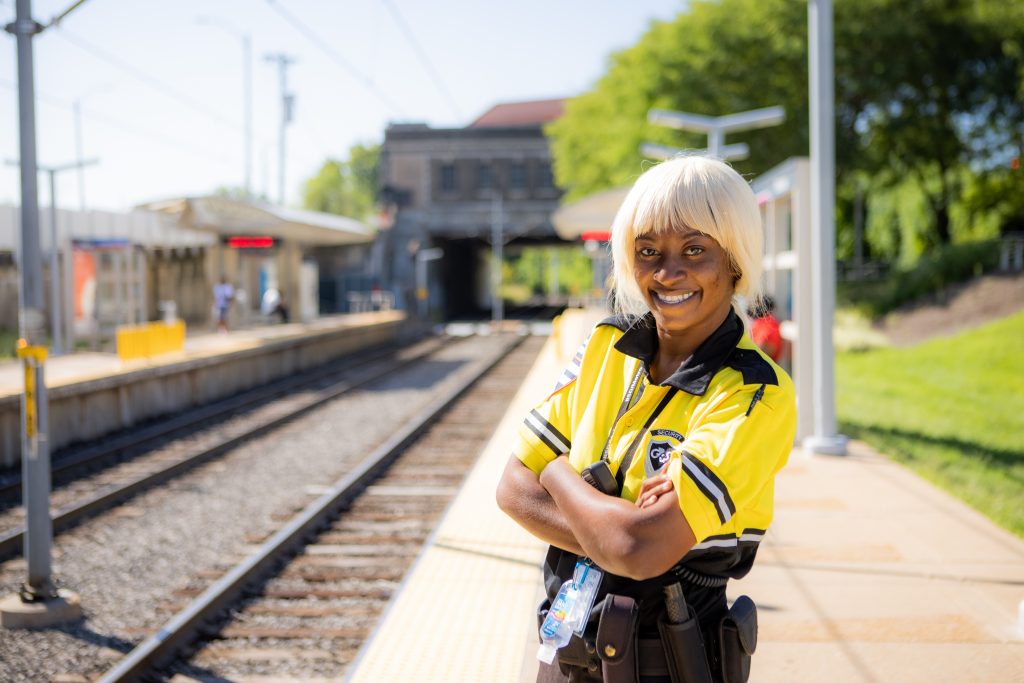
(694, 251)
(647, 252)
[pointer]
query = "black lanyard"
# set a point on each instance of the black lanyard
(627, 459)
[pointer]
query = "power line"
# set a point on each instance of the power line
(146, 79)
(60, 17)
(335, 57)
(431, 71)
(169, 141)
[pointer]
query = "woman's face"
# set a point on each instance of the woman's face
(686, 280)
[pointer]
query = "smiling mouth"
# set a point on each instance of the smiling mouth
(672, 298)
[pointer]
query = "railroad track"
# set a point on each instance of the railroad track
(303, 602)
(157, 453)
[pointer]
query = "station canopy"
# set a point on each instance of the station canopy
(590, 217)
(234, 217)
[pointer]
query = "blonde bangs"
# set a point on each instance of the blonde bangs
(695, 192)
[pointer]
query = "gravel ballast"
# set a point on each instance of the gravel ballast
(127, 563)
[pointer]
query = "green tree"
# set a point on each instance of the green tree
(924, 90)
(705, 62)
(347, 188)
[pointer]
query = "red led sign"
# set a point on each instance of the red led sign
(250, 242)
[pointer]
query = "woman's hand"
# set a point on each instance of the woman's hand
(653, 489)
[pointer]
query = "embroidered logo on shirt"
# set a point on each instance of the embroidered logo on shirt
(658, 453)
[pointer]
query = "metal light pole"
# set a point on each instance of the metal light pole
(56, 317)
(55, 306)
(497, 246)
(287, 101)
(823, 239)
(38, 603)
(247, 89)
(715, 126)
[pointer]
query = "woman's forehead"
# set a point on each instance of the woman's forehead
(681, 232)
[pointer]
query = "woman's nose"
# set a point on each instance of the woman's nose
(670, 270)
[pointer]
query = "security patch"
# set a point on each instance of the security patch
(658, 453)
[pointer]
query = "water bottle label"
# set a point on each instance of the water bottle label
(587, 581)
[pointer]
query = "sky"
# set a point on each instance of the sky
(160, 86)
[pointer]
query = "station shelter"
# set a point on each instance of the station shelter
(259, 248)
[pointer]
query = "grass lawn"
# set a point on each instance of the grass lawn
(951, 409)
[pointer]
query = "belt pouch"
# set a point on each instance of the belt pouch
(737, 637)
(684, 650)
(616, 639)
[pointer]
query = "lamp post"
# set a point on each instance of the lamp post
(246, 89)
(283, 61)
(823, 237)
(497, 247)
(715, 126)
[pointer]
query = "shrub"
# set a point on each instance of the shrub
(934, 271)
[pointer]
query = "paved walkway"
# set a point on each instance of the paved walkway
(868, 575)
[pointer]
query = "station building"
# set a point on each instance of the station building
(453, 189)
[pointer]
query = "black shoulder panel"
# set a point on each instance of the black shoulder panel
(620, 322)
(755, 369)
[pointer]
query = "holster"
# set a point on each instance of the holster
(616, 639)
(737, 637)
(684, 650)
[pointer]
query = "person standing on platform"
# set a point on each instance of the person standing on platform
(223, 295)
(678, 425)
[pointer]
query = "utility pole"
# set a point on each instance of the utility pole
(823, 232)
(497, 245)
(55, 298)
(77, 108)
(39, 602)
(283, 61)
(56, 317)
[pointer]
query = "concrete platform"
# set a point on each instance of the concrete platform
(868, 575)
(92, 394)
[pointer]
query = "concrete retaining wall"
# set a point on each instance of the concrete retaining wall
(89, 409)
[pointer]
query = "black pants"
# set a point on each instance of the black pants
(550, 673)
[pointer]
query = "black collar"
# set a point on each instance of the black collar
(641, 341)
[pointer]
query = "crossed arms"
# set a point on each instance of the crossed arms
(637, 540)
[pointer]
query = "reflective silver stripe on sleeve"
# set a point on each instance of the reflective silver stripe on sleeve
(546, 432)
(711, 486)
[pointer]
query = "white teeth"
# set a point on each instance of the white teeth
(674, 299)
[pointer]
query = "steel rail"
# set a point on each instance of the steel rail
(182, 629)
(66, 517)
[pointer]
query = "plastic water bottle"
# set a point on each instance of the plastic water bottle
(559, 623)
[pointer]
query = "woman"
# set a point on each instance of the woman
(693, 421)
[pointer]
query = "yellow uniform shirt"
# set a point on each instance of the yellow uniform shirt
(724, 433)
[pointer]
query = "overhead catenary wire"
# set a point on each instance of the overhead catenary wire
(169, 141)
(60, 17)
(146, 79)
(352, 71)
(427, 64)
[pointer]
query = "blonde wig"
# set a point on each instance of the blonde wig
(696, 192)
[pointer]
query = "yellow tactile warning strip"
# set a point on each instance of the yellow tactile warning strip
(465, 612)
